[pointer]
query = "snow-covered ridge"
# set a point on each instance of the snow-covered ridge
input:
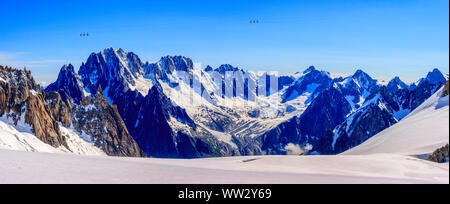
(421, 132)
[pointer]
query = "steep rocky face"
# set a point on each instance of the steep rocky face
(435, 77)
(104, 68)
(410, 99)
(313, 81)
(445, 92)
(284, 81)
(365, 82)
(68, 85)
(59, 108)
(440, 155)
(93, 118)
(165, 130)
(274, 141)
(100, 123)
(152, 129)
(396, 84)
(376, 114)
(176, 63)
(356, 88)
(366, 124)
(22, 101)
(327, 110)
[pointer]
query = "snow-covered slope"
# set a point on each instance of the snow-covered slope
(421, 132)
(23, 167)
(20, 137)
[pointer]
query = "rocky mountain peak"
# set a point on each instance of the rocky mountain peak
(395, 84)
(226, 68)
(208, 69)
(436, 77)
(99, 91)
(68, 85)
(310, 68)
(367, 83)
(362, 76)
(22, 101)
(176, 63)
(103, 124)
(445, 92)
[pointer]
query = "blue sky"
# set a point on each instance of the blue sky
(385, 38)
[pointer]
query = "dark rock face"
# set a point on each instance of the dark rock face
(95, 117)
(373, 117)
(104, 68)
(226, 68)
(22, 99)
(58, 108)
(152, 129)
(102, 122)
(435, 77)
(274, 141)
(445, 92)
(68, 85)
(327, 110)
(365, 125)
(312, 76)
(157, 138)
(396, 84)
(178, 63)
(440, 155)
(359, 85)
(414, 96)
(284, 81)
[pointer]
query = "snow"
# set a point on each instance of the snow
(338, 75)
(78, 145)
(373, 165)
(33, 92)
(142, 85)
(24, 167)
(20, 138)
(382, 82)
(401, 113)
(89, 107)
(421, 132)
(389, 157)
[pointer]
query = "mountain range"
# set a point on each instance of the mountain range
(123, 106)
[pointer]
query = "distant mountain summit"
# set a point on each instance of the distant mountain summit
(436, 77)
(68, 85)
(396, 84)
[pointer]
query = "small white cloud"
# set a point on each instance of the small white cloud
(295, 149)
